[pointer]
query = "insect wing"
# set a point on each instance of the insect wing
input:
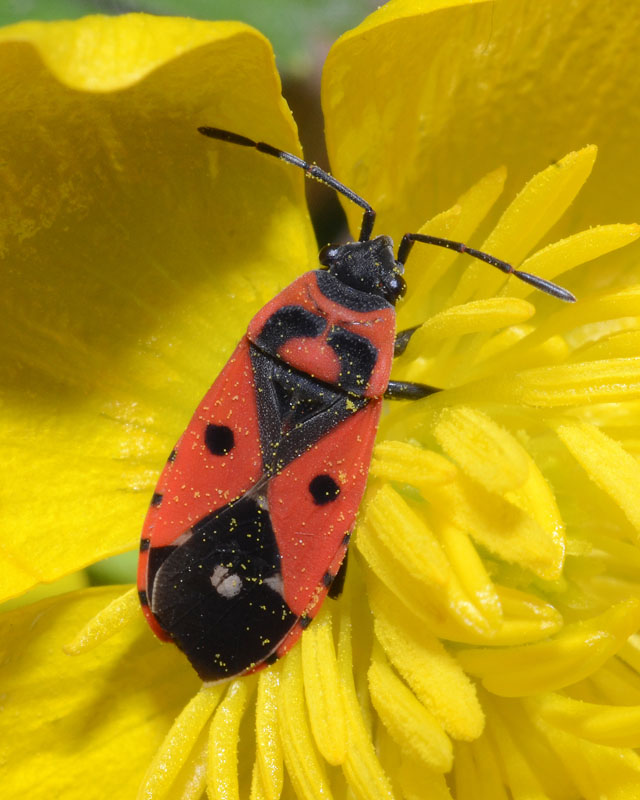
(216, 460)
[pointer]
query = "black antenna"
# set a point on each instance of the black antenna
(311, 171)
(369, 216)
(540, 283)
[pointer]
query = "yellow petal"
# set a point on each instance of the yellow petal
(472, 574)
(573, 654)
(473, 104)
(478, 771)
(137, 239)
(601, 309)
(521, 776)
(105, 697)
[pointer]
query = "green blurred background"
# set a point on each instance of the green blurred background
(301, 32)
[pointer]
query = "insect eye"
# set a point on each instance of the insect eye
(327, 254)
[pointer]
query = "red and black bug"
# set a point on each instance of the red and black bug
(249, 525)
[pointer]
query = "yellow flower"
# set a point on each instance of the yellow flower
(485, 645)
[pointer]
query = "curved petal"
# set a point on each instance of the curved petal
(68, 719)
(135, 252)
(427, 96)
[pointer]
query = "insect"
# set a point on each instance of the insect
(248, 528)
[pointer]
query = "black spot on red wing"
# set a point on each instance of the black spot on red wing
(327, 579)
(219, 439)
(323, 489)
(144, 545)
(224, 634)
(143, 597)
(289, 322)
(357, 356)
(156, 499)
(346, 538)
(172, 455)
(305, 621)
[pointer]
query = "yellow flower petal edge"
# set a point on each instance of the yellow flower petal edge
(120, 51)
(443, 135)
(117, 700)
(108, 369)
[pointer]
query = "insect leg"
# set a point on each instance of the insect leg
(311, 171)
(402, 340)
(403, 390)
(337, 585)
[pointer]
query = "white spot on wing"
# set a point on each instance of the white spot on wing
(226, 583)
(275, 582)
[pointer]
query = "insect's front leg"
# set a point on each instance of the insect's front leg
(407, 390)
(403, 390)
(402, 340)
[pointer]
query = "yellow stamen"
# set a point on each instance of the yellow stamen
(179, 744)
(412, 725)
(576, 652)
(322, 689)
(104, 625)
(305, 769)
(268, 745)
(222, 772)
